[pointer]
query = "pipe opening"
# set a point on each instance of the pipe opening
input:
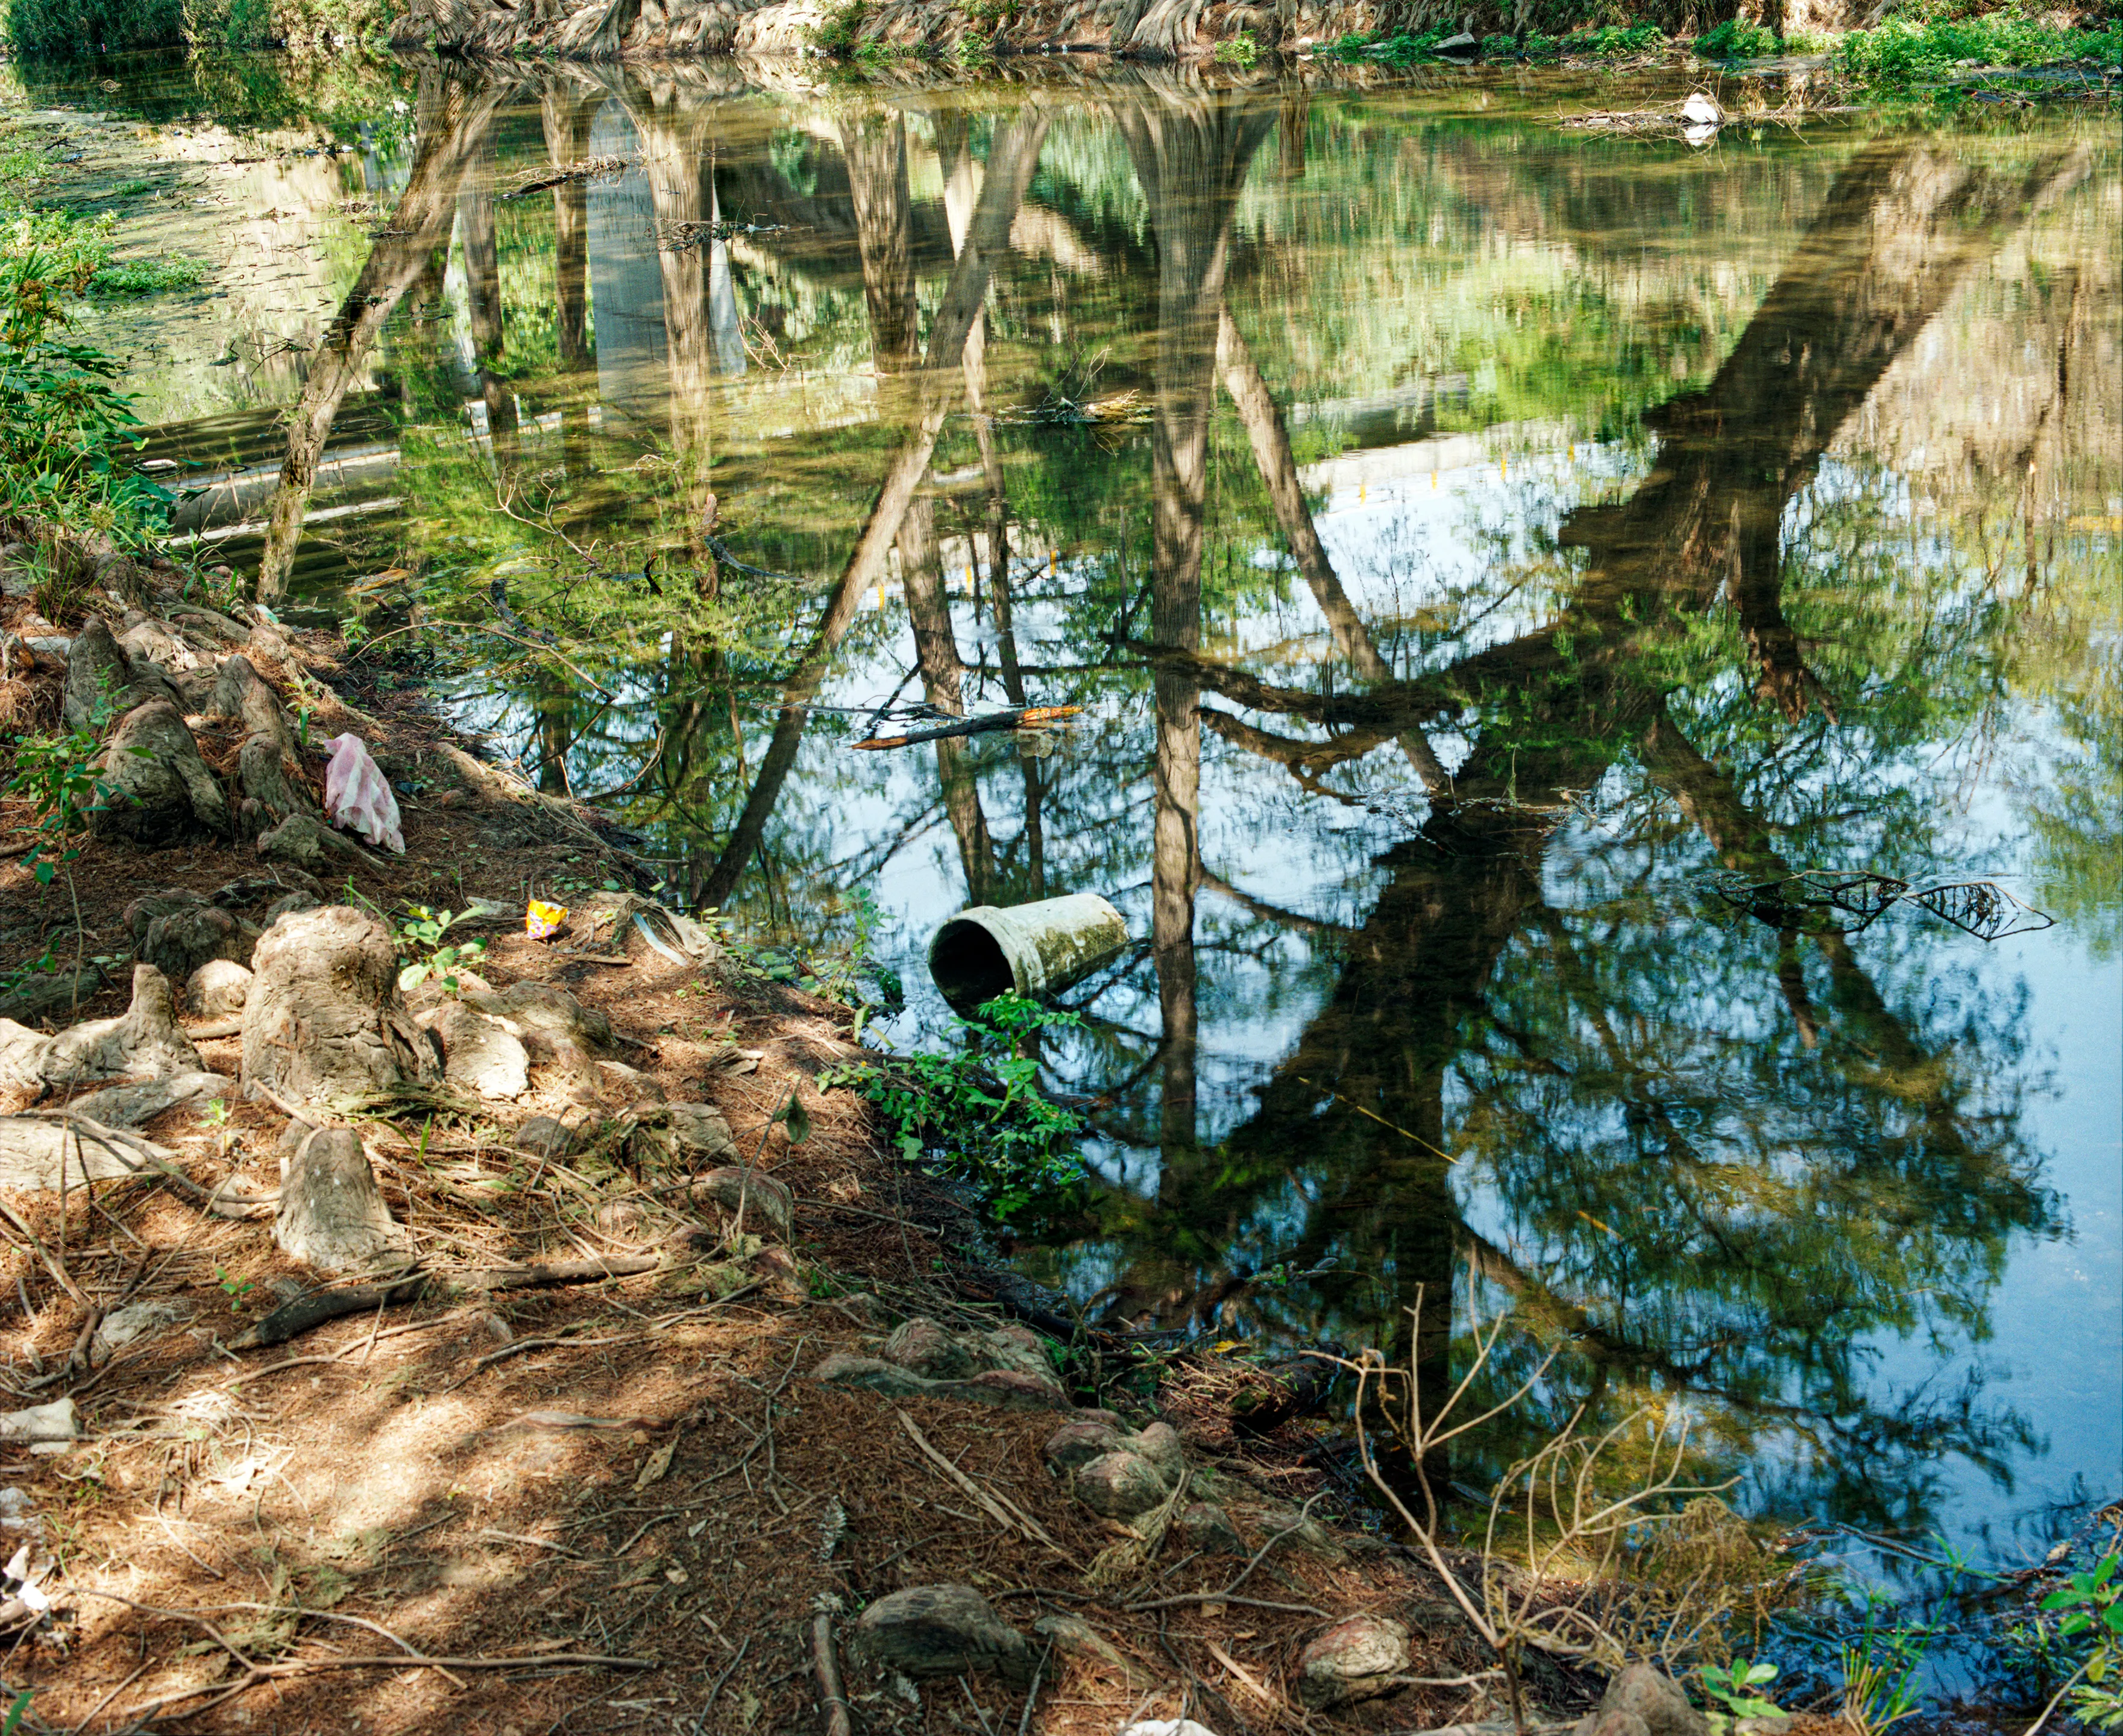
(969, 965)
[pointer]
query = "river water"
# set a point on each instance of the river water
(1467, 538)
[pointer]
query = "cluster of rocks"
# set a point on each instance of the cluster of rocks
(938, 1631)
(1007, 1368)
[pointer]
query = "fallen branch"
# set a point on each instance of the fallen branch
(998, 1507)
(307, 1312)
(832, 1701)
(1017, 717)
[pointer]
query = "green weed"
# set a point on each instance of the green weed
(57, 776)
(421, 934)
(980, 1114)
(64, 426)
(149, 276)
(2092, 1604)
(1737, 39)
(1902, 51)
(1239, 51)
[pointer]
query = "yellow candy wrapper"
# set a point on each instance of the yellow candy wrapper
(542, 921)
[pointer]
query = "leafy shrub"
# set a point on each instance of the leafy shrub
(64, 425)
(980, 1114)
(1902, 52)
(1239, 50)
(1737, 39)
(1613, 41)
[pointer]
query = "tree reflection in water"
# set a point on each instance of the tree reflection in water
(1494, 1047)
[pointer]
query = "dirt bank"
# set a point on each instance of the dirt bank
(632, 1434)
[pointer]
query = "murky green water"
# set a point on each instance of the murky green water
(1465, 537)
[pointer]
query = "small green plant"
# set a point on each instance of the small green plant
(1239, 50)
(59, 776)
(421, 934)
(235, 1288)
(2092, 1605)
(982, 1113)
(13, 1721)
(1737, 39)
(1733, 1688)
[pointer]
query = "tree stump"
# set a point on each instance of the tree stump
(332, 1214)
(324, 1022)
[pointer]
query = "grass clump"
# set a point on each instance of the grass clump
(1239, 51)
(149, 276)
(64, 28)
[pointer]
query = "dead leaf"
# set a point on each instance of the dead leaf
(657, 1466)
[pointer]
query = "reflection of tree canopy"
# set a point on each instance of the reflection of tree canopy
(1726, 1163)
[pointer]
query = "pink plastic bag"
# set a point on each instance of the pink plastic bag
(357, 796)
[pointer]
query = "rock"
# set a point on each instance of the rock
(1355, 1659)
(102, 681)
(325, 1022)
(1610, 1723)
(136, 1321)
(1160, 1443)
(141, 913)
(1071, 1634)
(239, 692)
(479, 1054)
(49, 1427)
(1465, 43)
(923, 1345)
(52, 994)
(680, 1135)
(935, 1354)
(625, 1218)
(630, 1086)
(271, 792)
(143, 1042)
(1080, 1440)
(941, 1630)
(545, 1137)
(303, 841)
(288, 903)
(1168, 1727)
(34, 1152)
(149, 641)
(17, 1511)
(1005, 1389)
(1120, 1485)
(250, 889)
(1208, 1527)
(178, 942)
(754, 1193)
(217, 988)
(134, 1105)
(164, 788)
(332, 1214)
(21, 1057)
(1646, 1694)
(540, 1007)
